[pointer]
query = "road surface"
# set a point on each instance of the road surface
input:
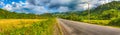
(79, 28)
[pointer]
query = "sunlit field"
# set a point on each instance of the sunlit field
(26, 26)
(112, 23)
(99, 22)
(17, 23)
(46, 17)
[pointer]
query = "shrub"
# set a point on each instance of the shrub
(115, 22)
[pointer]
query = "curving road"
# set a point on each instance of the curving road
(79, 28)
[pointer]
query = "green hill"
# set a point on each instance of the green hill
(107, 11)
(103, 12)
(106, 14)
(4, 14)
(108, 6)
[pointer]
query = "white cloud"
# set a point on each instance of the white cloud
(1, 3)
(25, 7)
(80, 7)
(13, 2)
(85, 6)
(63, 9)
(13, 7)
(8, 7)
(39, 6)
(60, 1)
(39, 10)
(22, 2)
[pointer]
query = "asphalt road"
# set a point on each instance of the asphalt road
(79, 28)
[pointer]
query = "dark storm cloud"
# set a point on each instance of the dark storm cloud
(38, 2)
(56, 4)
(33, 2)
(42, 6)
(53, 4)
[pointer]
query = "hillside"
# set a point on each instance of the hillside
(8, 14)
(108, 6)
(4, 14)
(106, 14)
(103, 12)
(12, 23)
(107, 11)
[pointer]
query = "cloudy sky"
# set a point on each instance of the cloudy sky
(42, 6)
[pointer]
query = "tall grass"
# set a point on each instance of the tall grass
(112, 23)
(115, 22)
(98, 22)
(45, 27)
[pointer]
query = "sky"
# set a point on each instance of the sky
(43, 6)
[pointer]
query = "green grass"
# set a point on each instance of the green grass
(103, 22)
(98, 22)
(45, 27)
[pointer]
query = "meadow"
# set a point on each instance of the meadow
(27, 26)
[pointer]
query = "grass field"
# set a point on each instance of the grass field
(26, 26)
(99, 22)
(17, 23)
(102, 22)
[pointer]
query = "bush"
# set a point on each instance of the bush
(115, 22)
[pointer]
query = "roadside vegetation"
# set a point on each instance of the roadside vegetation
(4, 14)
(106, 14)
(115, 22)
(12, 23)
(27, 27)
(99, 22)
